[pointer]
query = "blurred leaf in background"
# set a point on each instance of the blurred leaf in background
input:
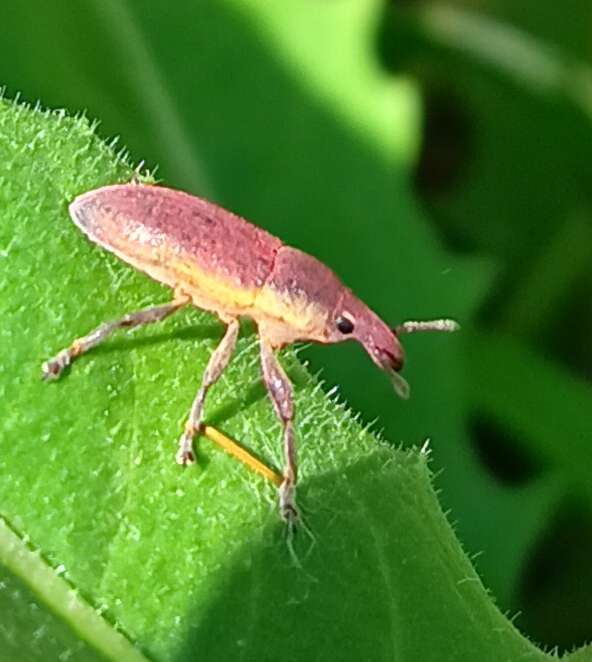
(432, 154)
(504, 173)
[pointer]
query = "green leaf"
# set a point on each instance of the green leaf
(49, 617)
(194, 563)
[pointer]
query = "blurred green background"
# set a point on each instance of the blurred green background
(436, 156)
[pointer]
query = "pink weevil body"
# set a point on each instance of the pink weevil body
(220, 262)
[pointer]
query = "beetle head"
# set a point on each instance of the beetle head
(352, 319)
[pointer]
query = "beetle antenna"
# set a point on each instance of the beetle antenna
(446, 325)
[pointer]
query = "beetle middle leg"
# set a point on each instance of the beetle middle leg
(216, 365)
(281, 393)
(54, 367)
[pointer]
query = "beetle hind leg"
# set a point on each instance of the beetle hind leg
(216, 365)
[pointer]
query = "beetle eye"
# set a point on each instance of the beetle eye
(344, 324)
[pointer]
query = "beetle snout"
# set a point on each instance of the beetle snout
(390, 361)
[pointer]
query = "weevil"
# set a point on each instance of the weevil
(218, 261)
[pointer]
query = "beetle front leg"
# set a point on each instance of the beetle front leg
(54, 367)
(281, 393)
(216, 365)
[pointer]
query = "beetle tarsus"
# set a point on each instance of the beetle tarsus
(288, 508)
(53, 368)
(185, 455)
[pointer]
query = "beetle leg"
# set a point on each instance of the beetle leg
(281, 393)
(218, 361)
(54, 367)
